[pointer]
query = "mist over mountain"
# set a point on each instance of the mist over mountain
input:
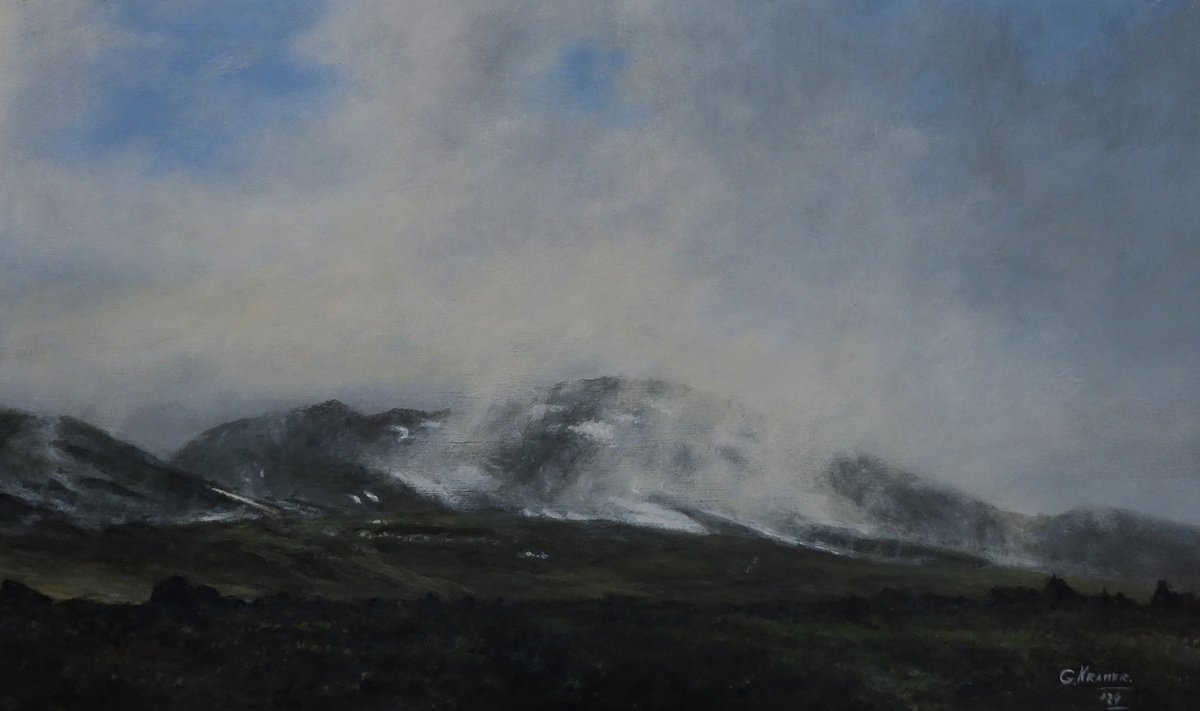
(1099, 542)
(898, 299)
(889, 501)
(645, 453)
(658, 454)
(632, 450)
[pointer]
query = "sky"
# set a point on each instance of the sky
(959, 235)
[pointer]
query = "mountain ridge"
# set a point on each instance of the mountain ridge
(640, 452)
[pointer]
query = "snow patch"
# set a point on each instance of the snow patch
(217, 516)
(595, 430)
(241, 499)
(557, 515)
(539, 410)
(633, 513)
(457, 486)
(644, 513)
(774, 535)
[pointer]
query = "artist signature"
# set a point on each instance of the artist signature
(1113, 688)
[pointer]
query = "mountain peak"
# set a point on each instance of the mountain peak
(317, 456)
(613, 384)
(329, 407)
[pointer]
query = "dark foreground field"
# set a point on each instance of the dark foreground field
(479, 613)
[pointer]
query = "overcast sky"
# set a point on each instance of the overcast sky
(962, 235)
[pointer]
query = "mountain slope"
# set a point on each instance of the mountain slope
(1117, 544)
(635, 450)
(1103, 543)
(657, 454)
(312, 457)
(63, 469)
(893, 502)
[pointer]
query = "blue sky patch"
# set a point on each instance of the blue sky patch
(1061, 38)
(198, 78)
(586, 76)
(586, 80)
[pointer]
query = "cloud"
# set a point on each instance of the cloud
(956, 235)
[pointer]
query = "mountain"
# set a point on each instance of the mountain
(639, 451)
(606, 448)
(654, 453)
(65, 470)
(1117, 544)
(314, 458)
(657, 454)
(1104, 543)
(889, 501)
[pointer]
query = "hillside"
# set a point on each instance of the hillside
(660, 455)
(312, 458)
(453, 610)
(66, 471)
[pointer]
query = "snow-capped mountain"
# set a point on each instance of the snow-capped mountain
(642, 451)
(608, 448)
(639, 452)
(62, 469)
(652, 453)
